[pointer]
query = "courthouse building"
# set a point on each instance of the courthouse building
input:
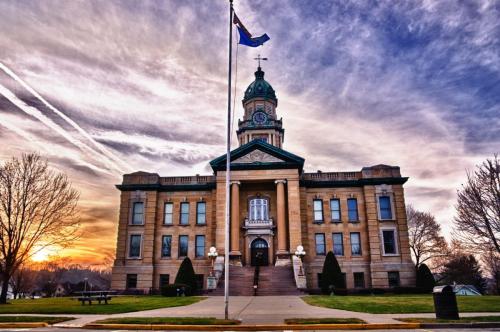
(275, 207)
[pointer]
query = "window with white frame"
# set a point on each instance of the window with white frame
(184, 213)
(335, 209)
(259, 209)
(338, 244)
(352, 209)
(138, 213)
(356, 244)
(169, 213)
(389, 241)
(320, 244)
(201, 209)
(385, 207)
(134, 249)
(318, 210)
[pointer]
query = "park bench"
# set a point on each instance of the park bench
(92, 296)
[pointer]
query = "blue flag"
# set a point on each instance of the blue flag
(246, 37)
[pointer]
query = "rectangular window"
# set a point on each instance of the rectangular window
(318, 210)
(166, 246)
(134, 250)
(131, 281)
(164, 280)
(183, 245)
(335, 209)
(201, 208)
(200, 246)
(389, 239)
(359, 280)
(138, 213)
(352, 209)
(320, 244)
(184, 213)
(393, 277)
(384, 204)
(168, 218)
(355, 244)
(338, 244)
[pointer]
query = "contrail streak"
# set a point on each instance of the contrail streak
(4, 121)
(34, 112)
(102, 149)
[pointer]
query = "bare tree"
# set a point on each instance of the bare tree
(478, 207)
(22, 281)
(426, 242)
(37, 210)
(491, 261)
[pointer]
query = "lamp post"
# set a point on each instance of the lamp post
(212, 254)
(85, 284)
(300, 253)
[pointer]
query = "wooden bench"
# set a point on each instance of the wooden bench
(99, 296)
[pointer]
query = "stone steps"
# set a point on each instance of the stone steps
(273, 280)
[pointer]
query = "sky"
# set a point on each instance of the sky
(103, 88)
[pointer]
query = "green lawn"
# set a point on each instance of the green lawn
(119, 304)
(400, 304)
(307, 321)
(33, 319)
(169, 321)
(478, 319)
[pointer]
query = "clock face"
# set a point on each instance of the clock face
(259, 117)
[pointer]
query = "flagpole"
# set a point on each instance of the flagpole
(228, 164)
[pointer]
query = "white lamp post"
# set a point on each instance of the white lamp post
(212, 254)
(300, 253)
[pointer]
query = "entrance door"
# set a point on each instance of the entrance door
(259, 252)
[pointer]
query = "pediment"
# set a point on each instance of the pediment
(257, 156)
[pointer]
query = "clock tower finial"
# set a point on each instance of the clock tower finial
(259, 119)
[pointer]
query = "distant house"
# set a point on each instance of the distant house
(465, 290)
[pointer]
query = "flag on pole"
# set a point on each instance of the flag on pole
(246, 37)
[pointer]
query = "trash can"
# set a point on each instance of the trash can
(445, 302)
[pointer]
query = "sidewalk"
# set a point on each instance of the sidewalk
(254, 310)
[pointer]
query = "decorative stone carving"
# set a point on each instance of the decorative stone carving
(257, 156)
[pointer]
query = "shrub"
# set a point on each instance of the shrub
(186, 276)
(331, 275)
(425, 279)
(172, 290)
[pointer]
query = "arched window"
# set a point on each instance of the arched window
(259, 209)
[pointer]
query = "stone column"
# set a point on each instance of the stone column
(235, 219)
(282, 253)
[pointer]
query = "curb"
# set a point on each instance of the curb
(259, 327)
(460, 325)
(22, 325)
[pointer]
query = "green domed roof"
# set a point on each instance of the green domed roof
(259, 88)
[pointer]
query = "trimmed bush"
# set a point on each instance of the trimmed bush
(186, 275)
(331, 276)
(425, 279)
(173, 290)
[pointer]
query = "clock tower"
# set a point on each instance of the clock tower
(259, 118)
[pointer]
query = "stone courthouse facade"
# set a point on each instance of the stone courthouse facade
(275, 207)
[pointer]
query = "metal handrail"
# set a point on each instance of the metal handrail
(256, 279)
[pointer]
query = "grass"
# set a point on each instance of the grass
(307, 321)
(401, 304)
(119, 304)
(169, 321)
(478, 319)
(33, 319)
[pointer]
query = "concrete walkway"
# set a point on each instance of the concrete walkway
(254, 310)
